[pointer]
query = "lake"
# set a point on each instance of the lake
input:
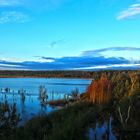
(31, 106)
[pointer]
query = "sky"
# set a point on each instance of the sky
(69, 34)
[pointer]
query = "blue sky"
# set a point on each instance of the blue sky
(69, 34)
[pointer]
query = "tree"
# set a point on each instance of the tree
(100, 91)
(9, 118)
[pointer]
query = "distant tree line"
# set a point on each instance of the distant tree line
(61, 74)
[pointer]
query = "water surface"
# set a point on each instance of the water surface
(31, 106)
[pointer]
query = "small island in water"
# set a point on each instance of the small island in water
(91, 105)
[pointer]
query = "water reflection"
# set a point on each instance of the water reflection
(27, 106)
(25, 93)
(102, 132)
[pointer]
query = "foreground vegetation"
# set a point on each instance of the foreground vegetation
(111, 94)
(70, 123)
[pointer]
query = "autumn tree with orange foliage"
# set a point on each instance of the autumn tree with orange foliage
(100, 91)
(134, 82)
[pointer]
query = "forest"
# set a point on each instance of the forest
(113, 94)
(46, 74)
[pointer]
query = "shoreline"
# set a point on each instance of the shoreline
(46, 77)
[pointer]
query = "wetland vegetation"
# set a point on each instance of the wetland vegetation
(111, 95)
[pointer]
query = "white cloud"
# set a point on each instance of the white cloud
(11, 59)
(44, 60)
(8, 65)
(110, 66)
(11, 67)
(21, 60)
(13, 17)
(133, 10)
(10, 2)
(33, 3)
